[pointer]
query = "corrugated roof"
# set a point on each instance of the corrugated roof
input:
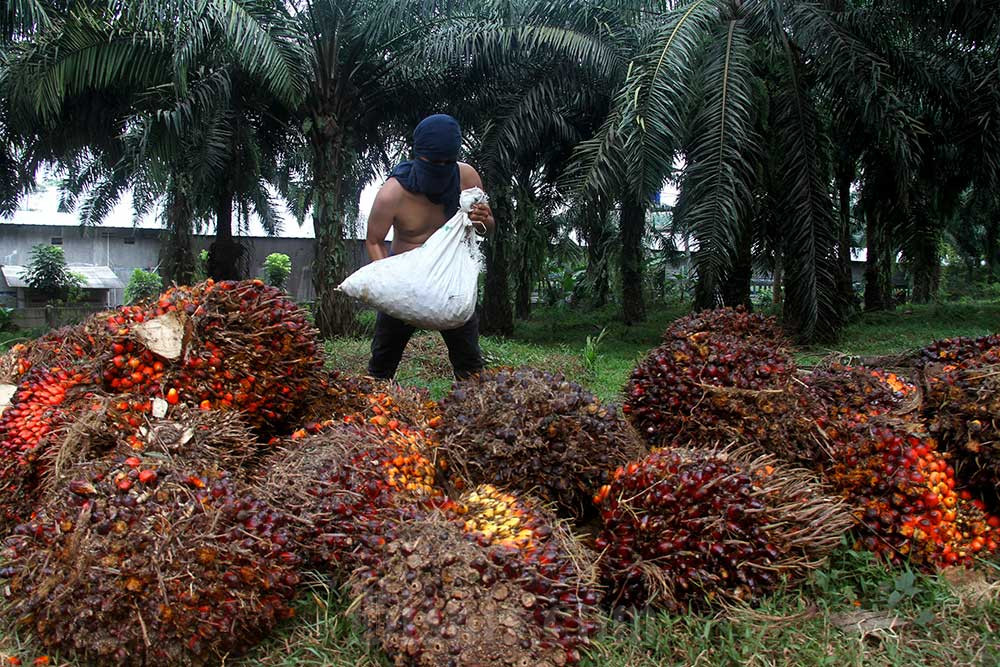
(98, 277)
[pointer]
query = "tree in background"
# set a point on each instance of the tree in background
(48, 274)
(142, 286)
(277, 269)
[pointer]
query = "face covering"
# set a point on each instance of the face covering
(436, 138)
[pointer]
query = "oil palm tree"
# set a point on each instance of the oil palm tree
(161, 76)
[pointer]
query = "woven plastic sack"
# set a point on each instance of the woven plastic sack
(433, 286)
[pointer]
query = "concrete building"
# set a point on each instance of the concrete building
(124, 249)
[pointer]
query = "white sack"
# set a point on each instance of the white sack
(433, 286)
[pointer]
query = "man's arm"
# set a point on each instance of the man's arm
(380, 221)
(480, 213)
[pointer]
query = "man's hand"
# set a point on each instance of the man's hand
(481, 216)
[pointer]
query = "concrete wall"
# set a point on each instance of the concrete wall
(53, 318)
(126, 249)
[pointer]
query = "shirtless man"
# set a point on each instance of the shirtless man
(419, 197)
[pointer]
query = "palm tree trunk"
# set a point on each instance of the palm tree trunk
(927, 257)
(597, 260)
(846, 172)
(631, 229)
(522, 301)
(224, 253)
(993, 249)
(736, 286)
(177, 260)
(497, 314)
(878, 266)
(778, 296)
(335, 315)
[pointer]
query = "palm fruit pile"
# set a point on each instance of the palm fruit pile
(232, 345)
(46, 402)
(533, 431)
(723, 377)
(141, 558)
(440, 594)
(855, 394)
(343, 481)
(961, 380)
(907, 506)
(688, 528)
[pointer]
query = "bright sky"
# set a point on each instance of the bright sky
(41, 208)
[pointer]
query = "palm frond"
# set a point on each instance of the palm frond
(808, 229)
(717, 183)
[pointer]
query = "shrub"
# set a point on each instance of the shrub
(47, 272)
(277, 268)
(142, 286)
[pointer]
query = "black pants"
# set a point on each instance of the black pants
(392, 335)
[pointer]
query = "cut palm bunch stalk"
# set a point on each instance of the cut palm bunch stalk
(724, 377)
(906, 499)
(961, 382)
(485, 580)
(153, 557)
(531, 431)
(341, 483)
(692, 529)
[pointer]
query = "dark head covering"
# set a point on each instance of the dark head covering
(439, 138)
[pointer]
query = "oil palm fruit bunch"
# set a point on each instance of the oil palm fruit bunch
(532, 431)
(343, 481)
(703, 385)
(959, 351)
(961, 379)
(686, 528)
(141, 560)
(246, 347)
(435, 595)
(730, 321)
(856, 394)
(905, 498)
(384, 404)
(47, 401)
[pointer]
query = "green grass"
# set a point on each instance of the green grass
(854, 611)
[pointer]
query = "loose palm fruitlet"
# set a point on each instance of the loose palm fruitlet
(139, 560)
(704, 385)
(687, 528)
(532, 431)
(342, 481)
(436, 596)
(906, 503)
(246, 347)
(856, 394)
(961, 381)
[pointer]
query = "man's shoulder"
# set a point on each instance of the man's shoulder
(469, 176)
(390, 192)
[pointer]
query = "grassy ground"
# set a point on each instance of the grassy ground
(852, 612)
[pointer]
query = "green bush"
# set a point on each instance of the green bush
(6, 318)
(201, 267)
(48, 275)
(277, 268)
(142, 285)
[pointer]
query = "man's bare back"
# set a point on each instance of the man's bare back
(412, 217)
